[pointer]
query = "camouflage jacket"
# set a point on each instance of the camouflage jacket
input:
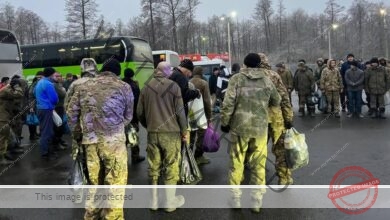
(103, 106)
(318, 73)
(285, 104)
(72, 88)
(287, 79)
(245, 107)
(304, 81)
(331, 80)
(7, 102)
(377, 80)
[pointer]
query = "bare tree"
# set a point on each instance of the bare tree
(264, 11)
(8, 14)
(80, 16)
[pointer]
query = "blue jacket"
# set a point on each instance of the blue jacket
(46, 94)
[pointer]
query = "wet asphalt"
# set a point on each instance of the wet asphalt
(348, 141)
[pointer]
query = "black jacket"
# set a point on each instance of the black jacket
(187, 94)
(136, 92)
(213, 84)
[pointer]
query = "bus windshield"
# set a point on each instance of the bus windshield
(141, 51)
(8, 47)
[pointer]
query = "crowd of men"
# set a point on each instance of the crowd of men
(100, 108)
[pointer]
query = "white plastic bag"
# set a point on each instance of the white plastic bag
(196, 115)
(132, 136)
(297, 154)
(57, 119)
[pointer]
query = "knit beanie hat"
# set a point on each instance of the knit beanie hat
(187, 63)
(252, 60)
(112, 65)
(48, 71)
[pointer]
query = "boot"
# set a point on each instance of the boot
(374, 113)
(235, 203)
(382, 113)
(4, 161)
(370, 112)
(301, 112)
(154, 191)
(337, 114)
(154, 200)
(256, 205)
(173, 201)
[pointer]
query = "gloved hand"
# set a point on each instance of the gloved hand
(14, 82)
(225, 129)
(288, 124)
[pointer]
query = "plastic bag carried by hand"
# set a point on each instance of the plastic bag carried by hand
(196, 114)
(77, 177)
(57, 119)
(297, 154)
(211, 140)
(132, 139)
(322, 103)
(32, 119)
(189, 170)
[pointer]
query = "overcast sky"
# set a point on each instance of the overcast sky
(54, 10)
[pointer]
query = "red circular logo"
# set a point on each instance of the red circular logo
(357, 198)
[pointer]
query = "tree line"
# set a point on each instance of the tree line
(172, 24)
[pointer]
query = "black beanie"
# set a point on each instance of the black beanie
(187, 63)
(48, 71)
(129, 73)
(252, 60)
(350, 55)
(354, 63)
(374, 60)
(112, 65)
(302, 61)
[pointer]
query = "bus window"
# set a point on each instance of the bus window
(101, 52)
(141, 51)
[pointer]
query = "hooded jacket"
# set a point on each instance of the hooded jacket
(245, 107)
(377, 81)
(331, 79)
(304, 81)
(160, 107)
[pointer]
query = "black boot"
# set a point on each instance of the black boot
(135, 157)
(374, 113)
(382, 113)
(301, 112)
(4, 161)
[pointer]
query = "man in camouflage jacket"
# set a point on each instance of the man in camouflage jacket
(245, 115)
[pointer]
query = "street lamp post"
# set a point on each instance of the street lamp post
(233, 15)
(383, 13)
(334, 27)
(203, 45)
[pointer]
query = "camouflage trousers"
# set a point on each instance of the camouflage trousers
(302, 97)
(164, 155)
(5, 132)
(107, 165)
(255, 150)
(284, 173)
(377, 101)
(333, 97)
(17, 126)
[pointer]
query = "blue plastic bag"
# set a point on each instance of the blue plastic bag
(32, 119)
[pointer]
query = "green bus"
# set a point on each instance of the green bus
(65, 57)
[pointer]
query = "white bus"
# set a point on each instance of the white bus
(10, 60)
(166, 55)
(208, 66)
